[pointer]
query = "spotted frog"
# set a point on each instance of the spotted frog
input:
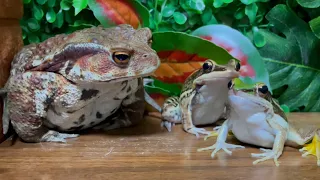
(68, 83)
(203, 99)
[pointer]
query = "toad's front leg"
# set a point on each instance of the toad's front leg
(29, 97)
(221, 141)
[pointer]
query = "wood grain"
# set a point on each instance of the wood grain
(148, 152)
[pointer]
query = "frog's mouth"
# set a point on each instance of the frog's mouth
(215, 77)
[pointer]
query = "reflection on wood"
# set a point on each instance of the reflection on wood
(148, 152)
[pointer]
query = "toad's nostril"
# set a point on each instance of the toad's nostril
(145, 55)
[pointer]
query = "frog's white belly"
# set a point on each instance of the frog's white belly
(85, 114)
(210, 105)
(253, 130)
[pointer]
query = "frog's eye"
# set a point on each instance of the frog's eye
(264, 89)
(206, 66)
(238, 66)
(121, 58)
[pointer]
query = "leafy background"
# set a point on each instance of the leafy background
(285, 32)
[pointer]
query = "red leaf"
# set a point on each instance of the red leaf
(119, 12)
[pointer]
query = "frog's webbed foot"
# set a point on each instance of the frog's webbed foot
(196, 131)
(266, 155)
(54, 136)
(312, 148)
(221, 145)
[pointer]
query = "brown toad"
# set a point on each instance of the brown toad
(90, 78)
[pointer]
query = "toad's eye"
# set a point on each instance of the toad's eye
(206, 66)
(264, 89)
(238, 66)
(121, 58)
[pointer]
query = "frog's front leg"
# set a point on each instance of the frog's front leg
(29, 98)
(130, 113)
(187, 123)
(279, 142)
(221, 141)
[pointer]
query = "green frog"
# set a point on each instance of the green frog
(257, 119)
(203, 99)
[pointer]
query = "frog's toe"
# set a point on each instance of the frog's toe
(212, 134)
(197, 131)
(312, 148)
(168, 125)
(268, 154)
(53, 136)
(218, 146)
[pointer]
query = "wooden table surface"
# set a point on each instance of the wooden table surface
(148, 152)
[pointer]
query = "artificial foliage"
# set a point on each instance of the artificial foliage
(285, 33)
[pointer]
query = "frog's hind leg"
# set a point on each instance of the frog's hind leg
(280, 129)
(28, 100)
(312, 148)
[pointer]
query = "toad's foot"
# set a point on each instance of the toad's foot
(196, 131)
(221, 145)
(312, 149)
(168, 125)
(267, 154)
(54, 136)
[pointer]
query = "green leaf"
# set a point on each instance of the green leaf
(68, 17)
(37, 12)
(166, 89)
(162, 41)
(197, 5)
(258, 38)
(168, 10)
(60, 19)
(26, 1)
(179, 18)
(33, 24)
(315, 26)
(285, 108)
(218, 3)
(41, 2)
(79, 5)
(240, 13)
(251, 11)
(309, 3)
(293, 61)
(51, 3)
(32, 38)
(227, 1)
(247, 2)
(143, 12)
(51, 15)
(65, 4)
